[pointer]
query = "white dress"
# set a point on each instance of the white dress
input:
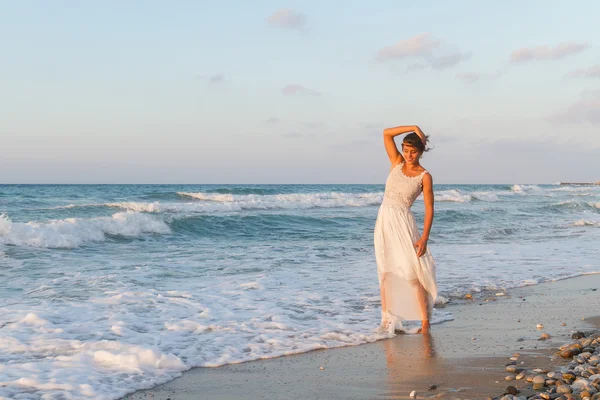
(399, 269)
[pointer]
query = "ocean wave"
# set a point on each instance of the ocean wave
(583, 222)
(217, 202)
(524, 189)
(571, 206)
(290, 201)
(455, 195)
(499, 233)
(145, 338)
(73, 232)
(243, 191)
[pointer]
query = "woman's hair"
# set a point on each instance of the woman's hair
(414, 140)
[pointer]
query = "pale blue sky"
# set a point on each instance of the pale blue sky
(296, 91)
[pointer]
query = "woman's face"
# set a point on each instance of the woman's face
(410, 153)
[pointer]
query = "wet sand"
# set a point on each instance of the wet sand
(465, 357)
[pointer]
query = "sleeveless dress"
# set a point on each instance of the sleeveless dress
(399, 269)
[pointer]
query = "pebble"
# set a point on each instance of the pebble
(539, 326)
(432, 387)
(568, 376)
(539, 381)
(562, 389)
(577, 378)
(321, 368)
(413, 394)
(468, 296)
(511, 390)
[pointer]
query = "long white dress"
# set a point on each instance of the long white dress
(399, 269)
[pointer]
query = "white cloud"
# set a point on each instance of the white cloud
(547, 53)
(584, 111)
(432, 51)
(591, 72)
(295, 89)
(286, 18)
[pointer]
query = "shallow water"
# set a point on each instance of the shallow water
(111, 288)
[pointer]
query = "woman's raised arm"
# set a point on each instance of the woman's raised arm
(390, 145)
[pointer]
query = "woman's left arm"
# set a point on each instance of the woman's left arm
(421, 245)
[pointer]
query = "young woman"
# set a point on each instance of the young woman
(405, 266)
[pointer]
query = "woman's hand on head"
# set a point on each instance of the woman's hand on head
(419, 132)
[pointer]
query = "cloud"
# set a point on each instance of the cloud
(448, 60)
(547, 53)
(420, 45)
(472, 77)
(272, 120)
(591, 72)
(584, 111)
(286, 18)
(295, 89)
(432, 51)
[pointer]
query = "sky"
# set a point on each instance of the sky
(241, 92)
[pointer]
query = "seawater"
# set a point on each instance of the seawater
(107, 289)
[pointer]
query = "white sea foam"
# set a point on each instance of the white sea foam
(525, 189)
(124, 341)
(288, 201)
(457, 196)
(215, 203)
(485, 196)
(583, 222)
(73, 232)
(453, 195)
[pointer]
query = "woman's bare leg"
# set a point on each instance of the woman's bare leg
(383, 299)
(423, 298)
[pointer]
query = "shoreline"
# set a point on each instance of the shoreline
(465, 357)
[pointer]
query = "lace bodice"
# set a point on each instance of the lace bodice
(401, 190)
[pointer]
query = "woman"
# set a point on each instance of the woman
(405, 266)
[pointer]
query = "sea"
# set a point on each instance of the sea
(108, 289)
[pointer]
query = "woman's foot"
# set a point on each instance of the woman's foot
(425, 327)
(388, 322)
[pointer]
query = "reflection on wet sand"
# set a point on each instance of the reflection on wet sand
(411, 360)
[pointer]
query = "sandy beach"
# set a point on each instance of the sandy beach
(464, 358)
